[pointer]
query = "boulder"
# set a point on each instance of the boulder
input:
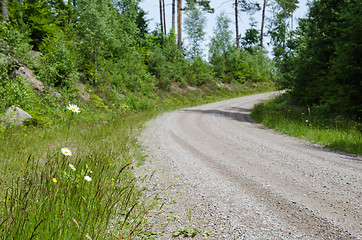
(36, 58)
(16, 115)
(29, 77)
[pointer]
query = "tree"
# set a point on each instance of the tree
(179, 25)
(5, 10)
(279, 28)
(204, 4)
(251, 38)
(221, 42)
(194, 27)
(327, 64)
(161, 18)
(262, 24)
(173, 14)
(220, 45)
(243, 6)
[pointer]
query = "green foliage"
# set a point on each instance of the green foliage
(314, 124)
(15, 92)
(195, 29)
(259, 65)
(251, 38)
(43, 196)
(326, 60)
(13, 42)
(166, 63)
(58, 67)
(36, 16)
(225, 58)
(199, 72)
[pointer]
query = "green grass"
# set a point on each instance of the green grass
(310, 124)
(43, 198)
(36, 207)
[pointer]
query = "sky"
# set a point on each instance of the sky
(151, 7)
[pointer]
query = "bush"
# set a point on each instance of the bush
(260, 66)
(59, 66)
(199, 72)
(13, 91)
(166, 63)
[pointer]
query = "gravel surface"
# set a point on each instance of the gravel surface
(217, 171)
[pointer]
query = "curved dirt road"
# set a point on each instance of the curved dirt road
(219, 172)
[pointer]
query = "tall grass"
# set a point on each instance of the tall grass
(44, 198)
(313, 124)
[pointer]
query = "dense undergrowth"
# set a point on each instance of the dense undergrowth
(315, 124)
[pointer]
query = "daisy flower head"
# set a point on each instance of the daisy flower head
(73, 108)
(66, 152)
(72, 167)
(88, 178)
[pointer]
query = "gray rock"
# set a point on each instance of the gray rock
(15, 115)
(35, 58)
(29, 77)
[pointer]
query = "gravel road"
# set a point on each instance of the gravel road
(219, 172)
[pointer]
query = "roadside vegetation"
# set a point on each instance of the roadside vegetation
(313, 124)
(320, 68)
(66, 174)
(89, 190)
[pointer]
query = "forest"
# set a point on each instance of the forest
(108, 45)
(91, 73)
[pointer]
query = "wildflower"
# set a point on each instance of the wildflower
(72, 167)
(88, 178)
(73, 108)
(66, 152)
(306, 121)
(55, 180)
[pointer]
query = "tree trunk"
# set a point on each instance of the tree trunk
(173, 14)
(179, 24)
(237, 25)
(5, 10)
(164, 17)
(262, 24)
(291, 27)
(161, 19)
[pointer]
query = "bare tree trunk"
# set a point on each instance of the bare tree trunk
(262, 24)
(179, 24)
(161, 19)
(237, 25)
(5, 10)
(164, 17)
(173, 14)
(291, 27)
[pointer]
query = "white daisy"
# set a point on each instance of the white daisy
(66, 152)
(88, 178)
(72, 167)
(73, 108)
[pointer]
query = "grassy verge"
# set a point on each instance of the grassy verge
(310, 124)
(46, 194)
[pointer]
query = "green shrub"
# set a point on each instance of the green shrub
(59, 64)
(260, 66)
(13, 41)
(199, 72)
